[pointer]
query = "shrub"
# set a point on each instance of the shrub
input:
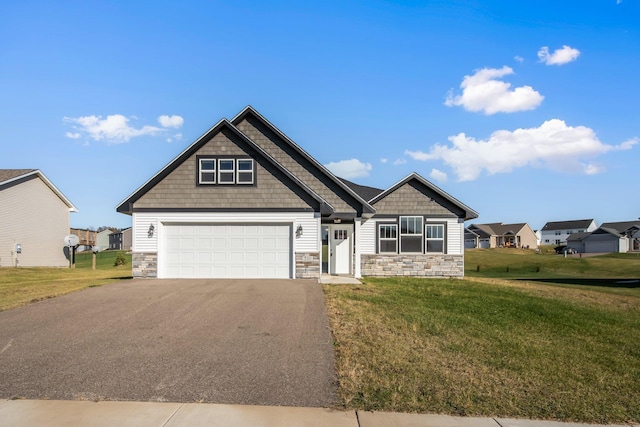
(120, 260)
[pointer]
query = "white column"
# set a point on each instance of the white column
(356, 269)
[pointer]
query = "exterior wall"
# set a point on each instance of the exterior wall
(32, 215)
(86, 237)
(149, 245)
(127, 237)
(454, 240)
(299, 166)
(596, 243)
(179, 189)
(102, 239)
(145, 264)
(528, 237)
(307, 265)
(408, 200)
(416, 265)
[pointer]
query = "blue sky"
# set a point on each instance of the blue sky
(525, 111)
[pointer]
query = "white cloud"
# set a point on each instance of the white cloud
(438, 175)
(519, 58)
(483, 91)
(170, 121)
(398, 162)
(383, 160)
(116, 129)
(553, 145)
(353, 168)
(559, 57)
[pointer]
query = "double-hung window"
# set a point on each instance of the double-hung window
(245, 171)
(388, 238)
(226, 171)
(207, 174)
(434, 238)
(411, 232)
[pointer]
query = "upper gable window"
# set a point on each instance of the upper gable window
(207, 173)
(226, 171)
(245, 171)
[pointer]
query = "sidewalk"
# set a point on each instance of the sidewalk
(59, 413)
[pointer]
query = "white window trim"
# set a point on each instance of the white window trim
(238, 172)
(201, 170)
(443, 238)
(380, 238)
(421, 234)
(232, 172)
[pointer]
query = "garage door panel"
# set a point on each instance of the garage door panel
(227, 251)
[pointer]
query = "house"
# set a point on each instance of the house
(34, 220)
(609, 237)
(86, 237)
(556, 232)
(497, 235)
(121, 239)
(476, 238)
(102, 238)
(245, 201)
(635, 242)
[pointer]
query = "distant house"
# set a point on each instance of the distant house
(609, 237)
(497, 235)
(121, 239)
(86, 237)
(102, 238)
(34, 220)
(556, 232)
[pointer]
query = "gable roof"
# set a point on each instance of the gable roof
(15, 176)
(367, 193)
(367, 209)
(567, 225)
(606, 230)
(126, 205)
(468, 213)
(621, 226)
(576, 237)
(499, 229)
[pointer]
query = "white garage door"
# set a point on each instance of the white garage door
(226, 251)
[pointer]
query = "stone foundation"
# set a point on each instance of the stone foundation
(145, 264)
(418, 265)
(307, 265)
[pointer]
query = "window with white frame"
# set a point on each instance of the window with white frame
(388, 238)
(244, 171)
(226, 171)
(207, 171)
(434, 238)
(411, 234)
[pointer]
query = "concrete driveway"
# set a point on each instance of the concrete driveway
(257, 342)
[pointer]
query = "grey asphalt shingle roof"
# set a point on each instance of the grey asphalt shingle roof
(567, 225)
(621, 226)
(367, 193)
(7, 174)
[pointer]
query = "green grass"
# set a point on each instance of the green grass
(472, 348)
(518, 263)
(21, 286)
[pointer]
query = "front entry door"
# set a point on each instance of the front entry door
(340, 250)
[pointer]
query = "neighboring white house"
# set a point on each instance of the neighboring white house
(609, 237)
(102, 238)
(245, 201)
(34, 220)
(557, 232)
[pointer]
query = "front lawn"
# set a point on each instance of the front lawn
(20, 286)
(508, 349)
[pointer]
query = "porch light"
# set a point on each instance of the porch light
(299, 231)
(150, 231)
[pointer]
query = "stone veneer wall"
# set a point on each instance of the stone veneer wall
(307, 265)
(421, 265)
(145, 264)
